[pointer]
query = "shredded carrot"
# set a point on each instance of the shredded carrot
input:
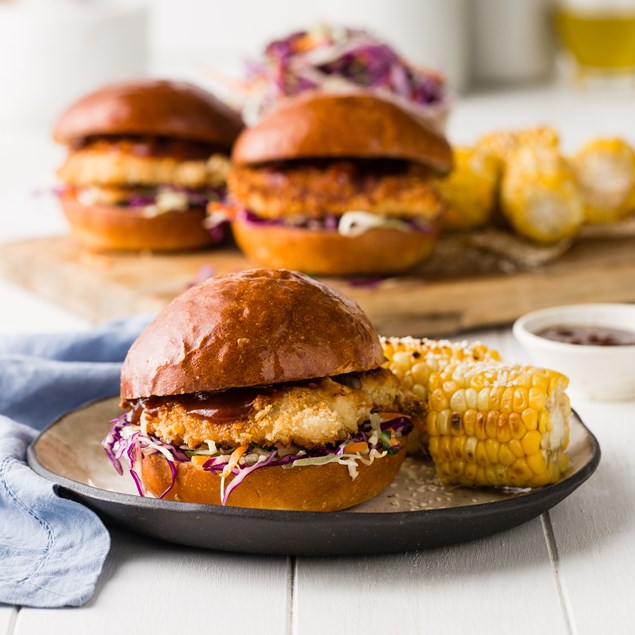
(198, 459)
(233, 460)
(229, 210)
(393, 441)
(389, 415)
(356, 446)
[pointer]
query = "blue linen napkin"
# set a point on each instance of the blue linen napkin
(51, 549)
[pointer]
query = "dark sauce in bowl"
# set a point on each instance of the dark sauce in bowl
(588, 335)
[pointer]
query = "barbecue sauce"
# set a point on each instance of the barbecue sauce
(589, 335)
(224, 407)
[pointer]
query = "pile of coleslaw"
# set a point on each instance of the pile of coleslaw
(126, 444)
(331, 58)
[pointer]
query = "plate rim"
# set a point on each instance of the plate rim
(281, 515)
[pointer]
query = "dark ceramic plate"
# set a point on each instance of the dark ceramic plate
(416, 512)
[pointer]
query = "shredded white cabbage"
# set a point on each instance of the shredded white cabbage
(167, 201)
(350, 460)
(214, 219)
(355, 223)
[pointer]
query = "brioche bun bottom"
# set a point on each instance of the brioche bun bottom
(327, 252)
(310, 488)
(111, 228)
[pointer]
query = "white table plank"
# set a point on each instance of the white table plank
(595, 528)
(31, 314)
(154, 587)
(7, 620)
(498, 585)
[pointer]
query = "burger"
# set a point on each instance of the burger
(337, 184)
(261, 389)
(144, 160)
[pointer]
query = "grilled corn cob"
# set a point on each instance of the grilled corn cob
(502, 144)
(606, 172)
(469, 191)
(540, 195)
(497, 425)
(413, 361)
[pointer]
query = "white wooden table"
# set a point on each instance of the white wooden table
(570, 571)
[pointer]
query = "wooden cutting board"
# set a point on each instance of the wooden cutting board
(101, 287)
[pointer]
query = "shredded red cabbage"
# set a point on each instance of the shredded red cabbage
(125, 441)
(335, 58)
(329, 222)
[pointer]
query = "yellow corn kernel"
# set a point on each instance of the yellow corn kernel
(543, 422)
(516, 448)
(471, 471)
(490, 476)
(492, 446)
(469, 422)
(530, 418)
(537, 398)
(438, 400)
(471, 444)
(458, 402)
(537, 463)
(431, 424)
(481, 455)
(521, 399)
(480, 431)
(504, 433)
(505, 456)
(444, 449)
(516, 426)
(531, 442)
(520, 473)
(507, 401)
(457, 447)
(491, 424)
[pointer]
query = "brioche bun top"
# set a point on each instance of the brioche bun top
(260, 326)
(342, 125)
(150, 107)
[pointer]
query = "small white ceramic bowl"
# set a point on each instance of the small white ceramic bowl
(603, 373)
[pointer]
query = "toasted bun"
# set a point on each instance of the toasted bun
(163, 108)
(329, 253)
(311, 488)
(250, 328)
(111, 228)
(355, 125)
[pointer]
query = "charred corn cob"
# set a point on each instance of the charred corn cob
(469, 191)
(606, 172)
(502, 144)
(413, 361)
(497, 425)
(540, 195)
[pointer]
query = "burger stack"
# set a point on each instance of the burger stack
(337, 184)
(144, 159)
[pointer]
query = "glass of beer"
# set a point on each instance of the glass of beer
(599, 37)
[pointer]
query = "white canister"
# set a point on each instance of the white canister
(512, 40)
(53, 51)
